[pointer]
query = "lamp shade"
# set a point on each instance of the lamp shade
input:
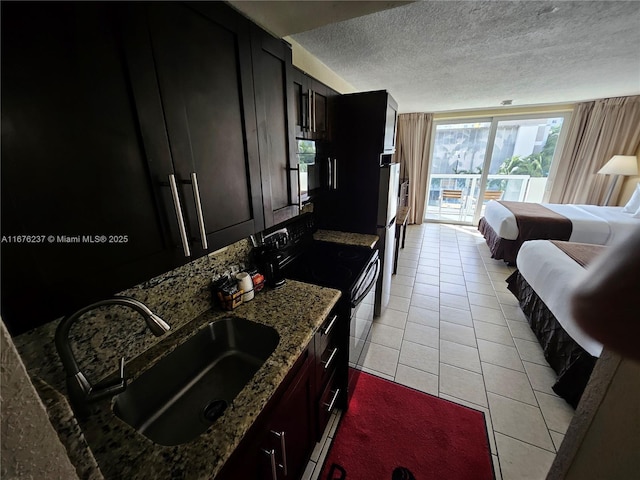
(621, 165)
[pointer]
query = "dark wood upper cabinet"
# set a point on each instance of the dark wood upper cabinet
(203, 88)
(312, 100)
(167, 128)
(390, 125)
(275, 109)
(73, 166)
(300, 102)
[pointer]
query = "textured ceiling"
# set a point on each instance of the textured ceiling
(436, 56)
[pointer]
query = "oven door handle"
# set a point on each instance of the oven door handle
(354, 303)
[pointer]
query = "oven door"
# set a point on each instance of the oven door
(366, 283)
(359, 327)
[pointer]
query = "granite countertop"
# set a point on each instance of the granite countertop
(347, 238)
(106, 447)
(115, 449)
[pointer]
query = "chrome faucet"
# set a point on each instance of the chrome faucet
(81, 391)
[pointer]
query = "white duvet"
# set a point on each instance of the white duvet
(553, 275)
(591, 223)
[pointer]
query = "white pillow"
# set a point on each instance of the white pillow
(633, 205)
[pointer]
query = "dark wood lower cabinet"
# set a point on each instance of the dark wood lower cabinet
(279, 444)
(283, 433)
(291, 433)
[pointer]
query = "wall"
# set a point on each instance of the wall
(495, 112)
(308, 63)
(629, 185)
(26, 429)
(603, 439)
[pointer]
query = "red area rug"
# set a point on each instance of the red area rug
(391, 432)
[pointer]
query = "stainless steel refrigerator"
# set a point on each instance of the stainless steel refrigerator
(386, 231)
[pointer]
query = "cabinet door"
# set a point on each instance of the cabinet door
(332, 97)
(291, 433)
(203, 64)
(301, 103)
(275, 106)
(73, 165)
(290, 410)
(390, 126)
(319, 115)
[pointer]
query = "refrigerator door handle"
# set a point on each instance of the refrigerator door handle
(335, 173)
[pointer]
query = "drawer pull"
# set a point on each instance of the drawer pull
(283, 447)
(272, 458)
(328, 328)
(332, 403)
(330, 359)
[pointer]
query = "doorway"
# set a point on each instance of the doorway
(492, 158)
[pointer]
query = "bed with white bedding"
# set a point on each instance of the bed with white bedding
(590, 224)
(543, 285)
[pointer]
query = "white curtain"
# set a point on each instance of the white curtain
(598, 131)
(412, 152)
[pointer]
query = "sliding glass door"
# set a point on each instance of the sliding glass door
(473, 162)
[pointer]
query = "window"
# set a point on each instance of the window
(511, 158)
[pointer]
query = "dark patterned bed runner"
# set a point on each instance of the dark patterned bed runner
(536, 222)
(582, 253)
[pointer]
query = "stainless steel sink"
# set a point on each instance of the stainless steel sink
(183, 394)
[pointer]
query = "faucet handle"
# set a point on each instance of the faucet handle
(111, 387)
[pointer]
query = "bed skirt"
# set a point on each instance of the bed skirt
(568, 359)
(501, 249)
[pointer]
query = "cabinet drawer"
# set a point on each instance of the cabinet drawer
(327, 362)
(327, 332)
(328, 402)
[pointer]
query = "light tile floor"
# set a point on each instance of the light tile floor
(452, 329)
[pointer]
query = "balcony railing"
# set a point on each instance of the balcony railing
(513, 187)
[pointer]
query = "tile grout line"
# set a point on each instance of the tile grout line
(544, 419)
(484, 383)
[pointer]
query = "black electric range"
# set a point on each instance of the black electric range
(351, 269)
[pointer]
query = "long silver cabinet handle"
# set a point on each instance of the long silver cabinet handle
(196, 199)
(330, 359)
(309, 104)
(179, 216)
(330, 173)
(314, 110)
(332, 403)
(283, 447)
(272, 458)
(328, 328)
